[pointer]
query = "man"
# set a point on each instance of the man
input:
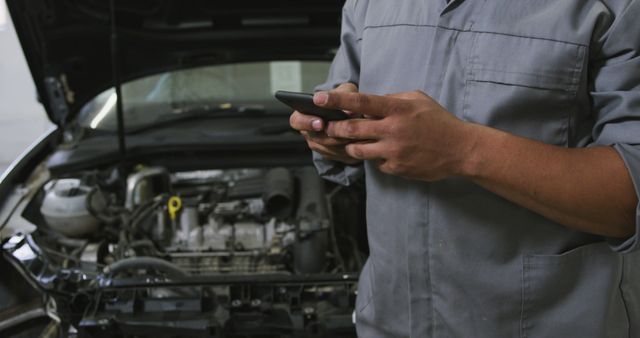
(500, 143)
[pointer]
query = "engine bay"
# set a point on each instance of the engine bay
(234, 250)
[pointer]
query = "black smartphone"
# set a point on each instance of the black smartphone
(303, 102)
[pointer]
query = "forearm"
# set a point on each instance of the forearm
(587, 189)
(412, 136)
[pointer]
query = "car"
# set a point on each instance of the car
(172, 198)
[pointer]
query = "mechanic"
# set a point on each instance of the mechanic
(500, 143)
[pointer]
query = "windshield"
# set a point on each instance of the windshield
(229, 87)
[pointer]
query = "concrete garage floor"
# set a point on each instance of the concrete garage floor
(22, 118)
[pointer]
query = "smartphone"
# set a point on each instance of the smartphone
(303, 102)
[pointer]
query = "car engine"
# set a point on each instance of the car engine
(203, 222)
(226, 248)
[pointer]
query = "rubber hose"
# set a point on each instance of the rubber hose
(278, 193)
(144, 262)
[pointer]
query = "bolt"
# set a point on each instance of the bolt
(236, 303)
(256, 302)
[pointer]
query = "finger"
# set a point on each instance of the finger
(347, 87)
(323, 139)
(356, 129)
(373, 105)
(391, 168)
(413, 95)
(331, 153)
(353, 115)
(366, 151)
(301, 122)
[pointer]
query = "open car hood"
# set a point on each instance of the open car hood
(67, 43)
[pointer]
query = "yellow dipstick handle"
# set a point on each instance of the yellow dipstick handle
(173, 205)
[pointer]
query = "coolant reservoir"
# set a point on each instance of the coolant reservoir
(65, 208)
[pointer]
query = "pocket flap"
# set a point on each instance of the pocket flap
(526, 61)
(574, 294)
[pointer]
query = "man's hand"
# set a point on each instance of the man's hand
(313, 130)
(408, 134)
(411, 135)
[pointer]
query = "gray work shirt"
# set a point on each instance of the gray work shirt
(450, 259)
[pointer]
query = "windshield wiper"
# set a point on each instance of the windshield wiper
(198, 112)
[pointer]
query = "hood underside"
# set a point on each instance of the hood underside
(68, 43)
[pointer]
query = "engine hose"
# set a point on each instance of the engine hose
(141, 216)
(146, 243)
(144, 262)
(140, 209)
(107, 219)
(310, 251)
(278, 193)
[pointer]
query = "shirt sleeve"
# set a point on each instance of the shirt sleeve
(615, 93)
(344, 68)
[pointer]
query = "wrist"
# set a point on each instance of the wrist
(478, 143)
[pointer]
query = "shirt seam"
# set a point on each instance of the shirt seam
(523, 301)
(429, 233)
(469, 75)
(473, 31)
(623, 297)
(548, 75)
(540, 87)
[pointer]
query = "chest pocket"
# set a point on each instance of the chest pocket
(522, 85)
